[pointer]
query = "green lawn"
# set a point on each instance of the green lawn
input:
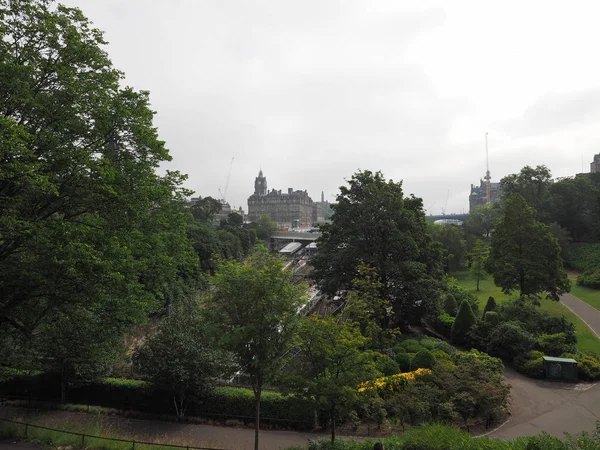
(587, 341)
(487, 288)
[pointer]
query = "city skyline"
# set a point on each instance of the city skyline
(313, 91)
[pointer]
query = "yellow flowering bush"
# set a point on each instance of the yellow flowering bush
(393, 383)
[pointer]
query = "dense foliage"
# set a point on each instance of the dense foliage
(253, 307)
(375, 223)
(92, 239)
(182, 357)
(441, 437)
(524, 253)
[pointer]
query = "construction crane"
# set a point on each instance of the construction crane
(223, 194)
(429, 209)
(446, 204)
(488, 191)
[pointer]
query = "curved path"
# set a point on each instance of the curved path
(555, 408)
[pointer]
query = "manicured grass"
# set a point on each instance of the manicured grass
(587, 341)
(487, 287)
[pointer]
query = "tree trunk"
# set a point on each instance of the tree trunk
(63, 384)
(478, 282)
(257, 393)
(332, 424)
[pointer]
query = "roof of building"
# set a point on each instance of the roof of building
(292, 247)
(554, 359)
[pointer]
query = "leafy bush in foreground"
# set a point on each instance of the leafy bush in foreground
(441, 437)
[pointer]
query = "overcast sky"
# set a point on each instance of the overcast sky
(312, 91)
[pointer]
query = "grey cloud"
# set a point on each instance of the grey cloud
(556, 111)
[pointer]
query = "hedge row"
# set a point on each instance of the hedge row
(221, 403)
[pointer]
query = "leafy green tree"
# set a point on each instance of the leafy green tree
(183, 357)
(79, 347)
(366, 307)
(465, 319)
(373, 222)
(478, 256)
(482, 220)
(574, 206)
(264, 227)
(205, 209)
(253, 307)
(524, 254)
(531, 184)
(452, 238)
(87, 226)
(332, 363)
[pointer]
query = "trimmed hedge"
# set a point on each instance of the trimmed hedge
(123, 394)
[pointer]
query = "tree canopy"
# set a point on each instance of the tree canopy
(253, 306)
(373, 222)
(87, 226)
(524, 253)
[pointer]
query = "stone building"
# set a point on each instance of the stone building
(322, 210)
(291, 209)
(595, 164)
(478, 194)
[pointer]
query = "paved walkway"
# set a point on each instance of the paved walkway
(590, 315)
(552, 407)
(213, 436)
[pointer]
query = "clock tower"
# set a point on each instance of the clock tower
(260, 184)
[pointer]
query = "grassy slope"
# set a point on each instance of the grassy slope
(590, 296)
(586, 340)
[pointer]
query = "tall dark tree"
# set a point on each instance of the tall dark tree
(575, 207)
(373, 222)
(524, 254)
(533, 185)
(452, 238)
(87, 226)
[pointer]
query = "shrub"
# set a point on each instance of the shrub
(443, 324)
(589, 279)
(588, 367)
(428, 343)
(530, 364)
(465, 319)
(445, 347)
(554, 344)
(510, 339)
(423, 360)
(403, 360)
(490, 305)
(450, 306)
(410, 345)
(386, 365)
(491, 317)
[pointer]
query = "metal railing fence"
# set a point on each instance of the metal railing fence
(83, 437)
